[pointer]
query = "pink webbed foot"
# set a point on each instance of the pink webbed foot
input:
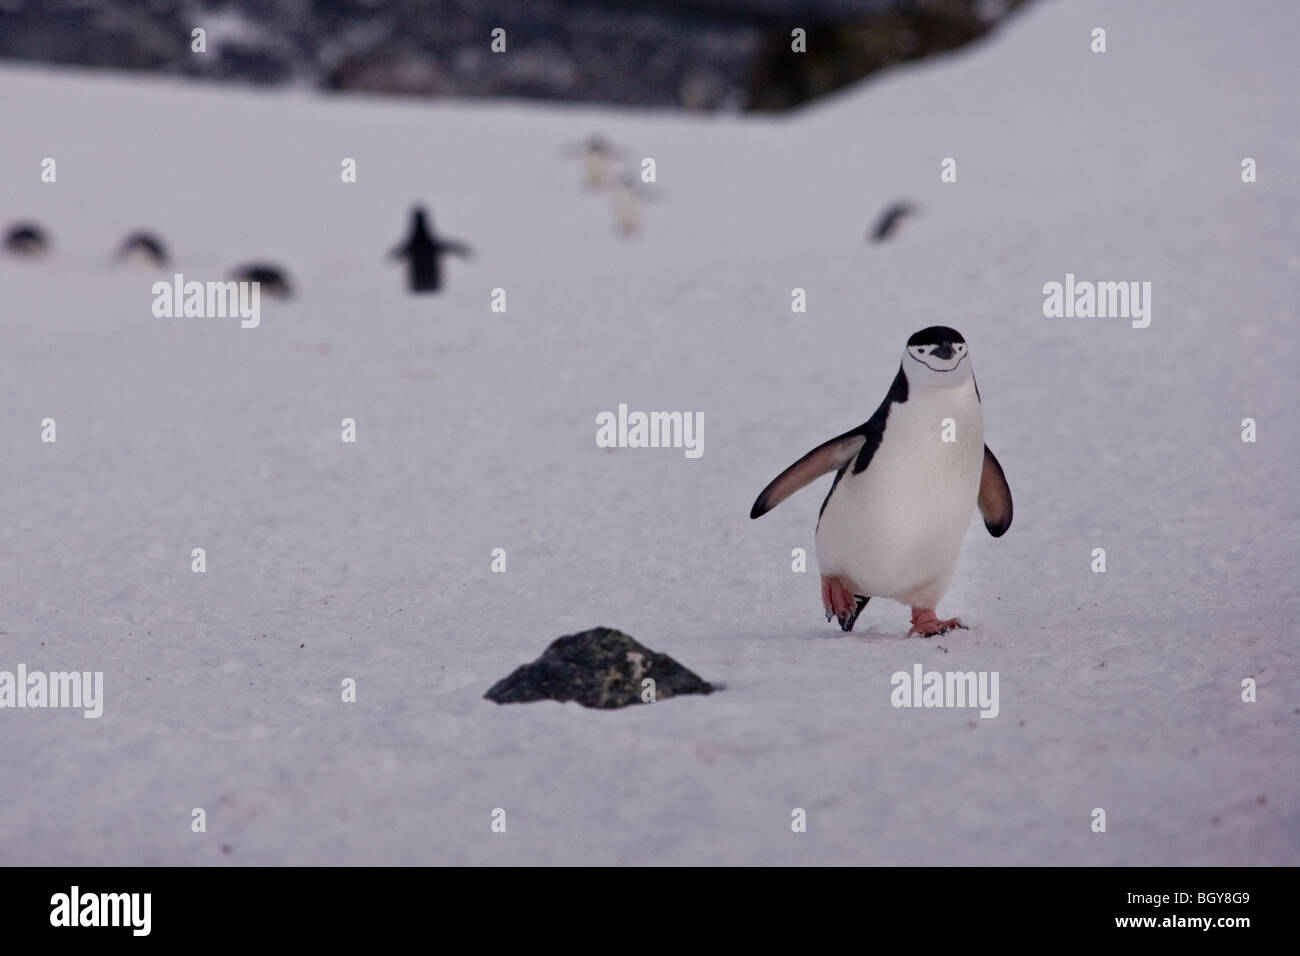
(840, 602)
(926, 623)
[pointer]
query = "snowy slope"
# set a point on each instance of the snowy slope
(476, 431)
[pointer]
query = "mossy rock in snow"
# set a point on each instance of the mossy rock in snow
(597, 668)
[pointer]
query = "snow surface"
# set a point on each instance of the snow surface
(476, 431)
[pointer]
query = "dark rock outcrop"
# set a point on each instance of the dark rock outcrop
(601, 668)
(697, 54)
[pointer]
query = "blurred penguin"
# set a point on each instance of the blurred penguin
(423, 252)
(889, 221)
(143, 248)
(27, 239)
(627, 200)
(271, 280)
(600, 160)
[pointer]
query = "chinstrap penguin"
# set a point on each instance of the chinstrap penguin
(888, 222)
(907, 481)
(270, 279)
(599, 161)
(27, 239)
(144, 248)
(423, 252)
(626, 202)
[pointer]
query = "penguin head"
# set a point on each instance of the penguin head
(937, 357)
(419, 220)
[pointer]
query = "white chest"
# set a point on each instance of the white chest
(895, 528)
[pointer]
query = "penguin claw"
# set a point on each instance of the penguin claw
(925, 623)
(841, 603)
(850, 617)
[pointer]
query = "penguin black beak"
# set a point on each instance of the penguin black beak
(943, 351)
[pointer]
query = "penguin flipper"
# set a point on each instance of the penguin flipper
(994, 496)
(825, 458)
(455, 248)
